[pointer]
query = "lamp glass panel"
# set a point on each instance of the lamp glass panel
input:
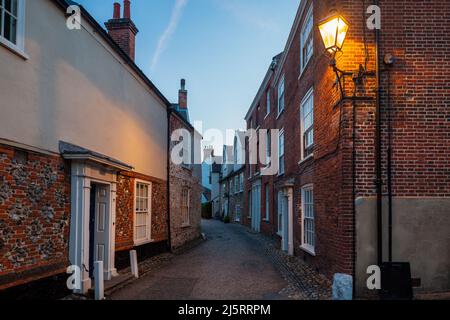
(332, 28)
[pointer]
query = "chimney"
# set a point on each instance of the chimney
(182, 95)
(123, 30)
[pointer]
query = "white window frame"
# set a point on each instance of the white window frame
(308, 98)
(241, 182)
(148, 237)
(238, 213)
(267, 198)
(281, 153)
(308, 243)
(19, 46)
(308, 23)
(281, 95)
(268, 146)
(186, 204)
(268, 104)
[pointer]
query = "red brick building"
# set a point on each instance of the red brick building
(348, 163)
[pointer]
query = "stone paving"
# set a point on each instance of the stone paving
(232, 264)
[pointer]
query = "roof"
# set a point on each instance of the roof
(263, 85)
(71, 151)
(64, 4)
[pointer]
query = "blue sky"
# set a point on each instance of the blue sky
(222, 47)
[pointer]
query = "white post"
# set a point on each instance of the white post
(291, 222)
(134, 264)
(99, 283)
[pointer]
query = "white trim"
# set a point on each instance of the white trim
(305, 99)
(18, 47)
(309, 14)
(281, 82)
(149, 216)
(306, 246)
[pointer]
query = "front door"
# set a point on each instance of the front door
(100, 221)
(285, 222)
(256, 208)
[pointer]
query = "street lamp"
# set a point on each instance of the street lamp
(334, 31)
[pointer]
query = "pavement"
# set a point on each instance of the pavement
(233, 264)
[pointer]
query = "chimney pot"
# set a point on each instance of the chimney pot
(116, 10)
(183, 95)
(126, 9)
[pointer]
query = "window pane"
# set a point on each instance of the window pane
(10, 28)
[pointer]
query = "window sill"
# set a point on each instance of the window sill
(266, 220)
(142, 243)
(280, 114)
(185, 226)
(13, 48)
(308, 249)
(311, 156)
(267, 115)
(302, 72)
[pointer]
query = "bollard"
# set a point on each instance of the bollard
(134, 264)
(99, 281)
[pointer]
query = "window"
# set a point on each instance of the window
(241, 182)
(268, 147)
(308, 227)
(268, 103)
(307, 40)
(281, 96)
(267, 202)
(142, 221)
(185, 206)
(236, 184)
(230, 183)
(307, 124)
(281, 153)
(238, 213)
(12, 23)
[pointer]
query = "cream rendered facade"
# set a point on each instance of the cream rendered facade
(74, 87)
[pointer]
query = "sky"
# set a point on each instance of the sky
(222, 48)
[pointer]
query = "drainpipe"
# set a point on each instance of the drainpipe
(168, 179)
(378, 181)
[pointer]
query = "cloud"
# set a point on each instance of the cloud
(168, 32)
(248, 14)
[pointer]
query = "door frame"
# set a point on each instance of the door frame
(287, 236)
(84, 174)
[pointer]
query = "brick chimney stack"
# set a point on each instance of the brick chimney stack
(182, 95)
(122, 29)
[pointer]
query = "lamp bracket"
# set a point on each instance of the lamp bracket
(358, 78)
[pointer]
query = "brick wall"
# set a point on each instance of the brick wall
(34, 215)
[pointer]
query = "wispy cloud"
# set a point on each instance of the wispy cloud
(168, 32)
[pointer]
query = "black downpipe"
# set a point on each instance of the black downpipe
(389, 164)
(378, 150)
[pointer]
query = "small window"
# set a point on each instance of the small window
(230, 183)
(185, 206)
(307, 124)
(268, 146)
(281, 167)
(268, 102)
(307, 39)
(308, 219)
(238, 213)
(241, 182)
(142, 213)
(281, 95)
(12, 23)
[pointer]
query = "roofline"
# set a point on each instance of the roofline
(63, 4)
(262, 88)
(171, 110)
(298, 16)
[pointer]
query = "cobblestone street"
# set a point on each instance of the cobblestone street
(232, 264)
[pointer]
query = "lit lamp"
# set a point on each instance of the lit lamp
(334, 30)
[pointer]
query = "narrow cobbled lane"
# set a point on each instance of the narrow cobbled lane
(231, 264)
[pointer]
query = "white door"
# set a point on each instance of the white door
(101, 229)
(285, 222)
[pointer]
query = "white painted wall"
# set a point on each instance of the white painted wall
(75, 88)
